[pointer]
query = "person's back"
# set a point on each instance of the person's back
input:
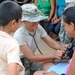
(7, 43)
(10, 63)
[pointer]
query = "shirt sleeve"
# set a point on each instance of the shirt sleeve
(43, 32)
(20, 39)
(13, 53)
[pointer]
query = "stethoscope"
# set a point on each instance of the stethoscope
(35, 41)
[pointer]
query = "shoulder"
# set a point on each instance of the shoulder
(40, 27)
(41, 31)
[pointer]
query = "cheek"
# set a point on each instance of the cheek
(70, 32)
(67, 29)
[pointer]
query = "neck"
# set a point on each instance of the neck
(4, 29)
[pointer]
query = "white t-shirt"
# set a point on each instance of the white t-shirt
(9, 52)
(23, 37)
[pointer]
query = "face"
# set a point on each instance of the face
(31, 26)
(70, 28)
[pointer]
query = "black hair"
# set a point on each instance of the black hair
(9, 11)
(69, 15)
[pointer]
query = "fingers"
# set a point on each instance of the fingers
(65, 46)
(59, 54)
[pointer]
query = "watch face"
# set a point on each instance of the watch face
(43, 1)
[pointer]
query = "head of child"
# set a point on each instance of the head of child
(31, 16)
(10, 16)
(69, 20)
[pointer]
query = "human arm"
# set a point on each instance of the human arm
(26, 50)
(35, 2)
(14, 69)
(55, 13)
(52, 9)
(55, 19)
(13, 60)
(51, 43)
(57, 58)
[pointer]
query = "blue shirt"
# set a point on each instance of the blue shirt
(61, 5)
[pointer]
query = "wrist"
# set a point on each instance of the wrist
(52, 60)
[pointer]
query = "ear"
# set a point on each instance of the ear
(72, 25)
(13, 23)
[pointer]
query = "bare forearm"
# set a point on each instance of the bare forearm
(52, 9)
(51, 14)
(55, 45)
(51, 43)
(39, 58)
(35, 57)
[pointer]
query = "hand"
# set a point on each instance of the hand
(56, 21)
(58, 54)
(65, 46)
(47, 20)
(54, 18)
